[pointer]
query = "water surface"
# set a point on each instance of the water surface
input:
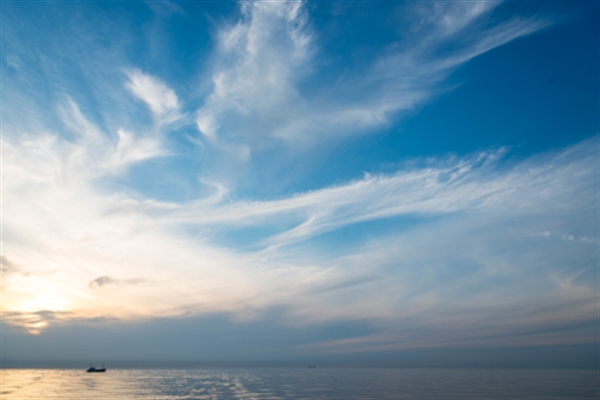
(300, 383)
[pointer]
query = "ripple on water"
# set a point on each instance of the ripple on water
(300, 383)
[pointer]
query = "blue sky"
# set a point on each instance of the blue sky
(280, 181)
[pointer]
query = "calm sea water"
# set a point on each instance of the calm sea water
(300, 383)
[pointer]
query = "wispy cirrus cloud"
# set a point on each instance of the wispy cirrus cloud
(263, 59)
(440, 250)
(258, 60)
(108, 154)
(448, 186)
(441, 20)
(162, 100)
(393, 278)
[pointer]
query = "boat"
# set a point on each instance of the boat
(94, 369)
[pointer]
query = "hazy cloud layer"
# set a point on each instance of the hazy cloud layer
(538, 211)
(483, 249)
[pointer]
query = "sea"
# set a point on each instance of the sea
(325, 382)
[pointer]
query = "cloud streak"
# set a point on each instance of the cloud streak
(458, 196)
(449, 186)
(481, 248)
(162, 100)
(263, 59)
(107, 280)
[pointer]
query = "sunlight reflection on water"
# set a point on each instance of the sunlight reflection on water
(299, 383)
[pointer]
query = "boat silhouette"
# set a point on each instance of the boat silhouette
(94, 369)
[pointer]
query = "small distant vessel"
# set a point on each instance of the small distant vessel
(94, 369)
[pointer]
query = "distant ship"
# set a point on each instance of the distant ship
(94, 369)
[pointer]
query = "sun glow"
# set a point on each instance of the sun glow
(33, 302)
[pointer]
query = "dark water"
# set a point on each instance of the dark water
(300, 383)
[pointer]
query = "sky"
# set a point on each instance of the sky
(410, 183)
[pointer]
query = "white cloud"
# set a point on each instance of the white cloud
(472, 183)
(442, 19)
(256, 97)
(161, 99)
(471, 255)
(131, 149)
(259, 60)
(70, 232)
(95, 153)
